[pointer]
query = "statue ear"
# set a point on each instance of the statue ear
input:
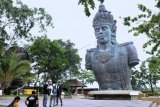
(113, 34)
(114, 29)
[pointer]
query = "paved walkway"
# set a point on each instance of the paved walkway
(86, 103)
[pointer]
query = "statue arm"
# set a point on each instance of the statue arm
(88, 60)
(132, 55)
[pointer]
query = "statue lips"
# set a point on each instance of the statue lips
(101, 37)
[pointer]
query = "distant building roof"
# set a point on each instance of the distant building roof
(75, 83)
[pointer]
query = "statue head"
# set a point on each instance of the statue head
(104, 26)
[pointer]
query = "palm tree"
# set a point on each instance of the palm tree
(11, 66)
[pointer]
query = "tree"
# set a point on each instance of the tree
(53, 58)
(148, 75)
(86, 4)
(12, 67)
(154, 68)
(17, 21)
(148, 24)
(139, 77)
(86, 76)
(73, 59)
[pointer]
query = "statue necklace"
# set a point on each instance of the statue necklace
(104, 56)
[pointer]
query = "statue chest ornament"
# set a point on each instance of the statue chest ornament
(103, 56)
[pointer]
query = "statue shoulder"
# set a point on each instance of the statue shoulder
(131, 52)
(91, 50)
(126, 44)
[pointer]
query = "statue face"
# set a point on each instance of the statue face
(103, 34)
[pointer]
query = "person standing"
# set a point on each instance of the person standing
(53, 93)
(59, 93)
(32, 100)
(45, 94)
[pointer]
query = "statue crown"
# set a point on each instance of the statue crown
(103, 17)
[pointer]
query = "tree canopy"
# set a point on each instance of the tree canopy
(17, 20)
(87, 3)
(54, 59)
(13, 65)
(148, 24)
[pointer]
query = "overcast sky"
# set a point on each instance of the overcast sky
(70, 22)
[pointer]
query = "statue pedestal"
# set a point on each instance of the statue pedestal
(115, 94)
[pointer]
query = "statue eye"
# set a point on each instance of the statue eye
(97, 29)
(104, 28)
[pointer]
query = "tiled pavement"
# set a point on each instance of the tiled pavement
(86, 103)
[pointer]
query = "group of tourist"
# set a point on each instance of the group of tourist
(52, 89)
(55, 92)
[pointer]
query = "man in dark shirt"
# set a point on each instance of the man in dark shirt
(45, 94)
(59, 93)
(32, 100)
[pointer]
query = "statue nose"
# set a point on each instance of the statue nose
(100, 30)
(100, 33)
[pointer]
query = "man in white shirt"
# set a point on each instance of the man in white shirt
(53, 94)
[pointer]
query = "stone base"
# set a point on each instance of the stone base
(78, 96)
(115, 94)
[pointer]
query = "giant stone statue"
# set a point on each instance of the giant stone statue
(111, 62)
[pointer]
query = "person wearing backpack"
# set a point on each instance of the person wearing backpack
(14, 103)
(53, 93)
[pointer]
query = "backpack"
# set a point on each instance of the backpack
(54, 90)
